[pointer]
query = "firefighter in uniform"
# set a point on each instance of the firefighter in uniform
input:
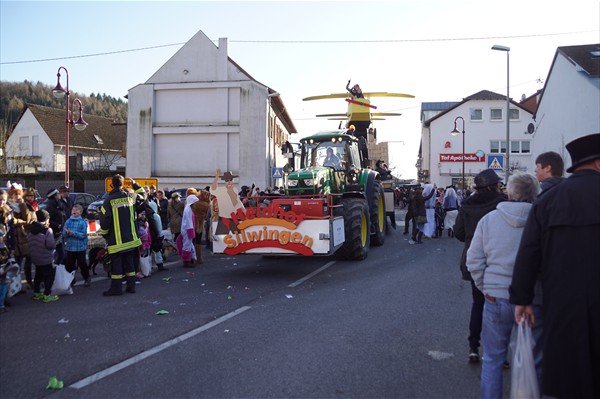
(117, 226)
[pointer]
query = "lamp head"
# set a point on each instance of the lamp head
(500, 48)
(58, 91)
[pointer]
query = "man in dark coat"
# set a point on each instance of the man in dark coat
(473, 208)
(560, 246)
(57, 220)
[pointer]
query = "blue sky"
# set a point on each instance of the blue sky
(435, 50)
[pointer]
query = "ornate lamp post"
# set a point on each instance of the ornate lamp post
(507, 50)
(456, 132)
(79, 124)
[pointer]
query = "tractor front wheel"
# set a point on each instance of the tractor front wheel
(356, 229)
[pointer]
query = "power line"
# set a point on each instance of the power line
(300, 42)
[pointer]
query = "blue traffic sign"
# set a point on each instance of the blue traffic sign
(277, 173)
(495, 161)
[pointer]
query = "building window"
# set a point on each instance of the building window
(496, 114)
(520, 147)
(35, 146)
(24, 145)
(476, 114)
(514, 114)
(497, 147)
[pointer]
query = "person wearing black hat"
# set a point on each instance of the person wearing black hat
(473, 208)
(65, 200)
(560, 247)
(57, 220)
(227, 198)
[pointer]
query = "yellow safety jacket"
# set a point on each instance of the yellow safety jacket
(117, 219)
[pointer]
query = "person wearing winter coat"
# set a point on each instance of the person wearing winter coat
(560, 247)
(75, 238)
(57, 220)
(473, 208)
(419, 212)
(42, 244)
(490, 260)
(23, 216)
(175, 213)
(156, 237)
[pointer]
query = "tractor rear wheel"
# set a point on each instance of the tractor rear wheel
(378, 215)
(356, 229)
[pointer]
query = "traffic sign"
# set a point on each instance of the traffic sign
(277, 173)
(495, 161)
(127, 183)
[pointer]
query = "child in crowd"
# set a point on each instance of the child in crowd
(42, 245)
(75, 237)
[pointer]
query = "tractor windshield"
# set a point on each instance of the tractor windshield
(325, 154)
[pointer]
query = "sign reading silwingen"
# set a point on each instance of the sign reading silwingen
(267, 227)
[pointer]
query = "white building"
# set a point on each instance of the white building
(201, 111)
(37, 143)
(569, 106)
(484, 124)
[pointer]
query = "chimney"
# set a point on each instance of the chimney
(223, 61)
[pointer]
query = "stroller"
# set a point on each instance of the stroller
(12, 273)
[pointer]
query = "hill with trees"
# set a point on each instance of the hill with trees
(14, 95)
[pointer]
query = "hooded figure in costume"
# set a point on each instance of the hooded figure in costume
(188, 232)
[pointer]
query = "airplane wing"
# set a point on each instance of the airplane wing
(385, 94)
(327, 96)
(331, 115)
(385, 114)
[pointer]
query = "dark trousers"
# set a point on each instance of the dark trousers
(26, 266)
(45, 274)
(77, 259)
(407, 219)
(59, 254)
(476, 317)
(121, 263)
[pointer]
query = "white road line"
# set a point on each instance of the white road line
(152, 351)
(303, 279)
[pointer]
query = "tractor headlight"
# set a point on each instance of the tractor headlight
(292, 183)
(309, 182)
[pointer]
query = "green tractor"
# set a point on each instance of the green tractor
(333, 166)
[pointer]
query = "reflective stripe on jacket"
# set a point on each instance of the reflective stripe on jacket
(117, 220)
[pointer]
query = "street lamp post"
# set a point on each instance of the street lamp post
(507, 165)
(79, 124)
(455, 132)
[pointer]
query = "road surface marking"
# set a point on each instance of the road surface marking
(303, 279)
(152, 351)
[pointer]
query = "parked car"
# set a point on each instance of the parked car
(93, 208)
(83, 199)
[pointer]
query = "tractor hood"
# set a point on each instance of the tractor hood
(312, 180)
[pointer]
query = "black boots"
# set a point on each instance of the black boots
(161, 267)
(420, 237)
(115, 288)
(130, 284)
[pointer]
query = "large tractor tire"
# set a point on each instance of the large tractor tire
(378, 215)
(356, 229)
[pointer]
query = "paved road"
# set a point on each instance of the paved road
(394, 325)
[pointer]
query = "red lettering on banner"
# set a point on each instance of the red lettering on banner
(459, 158)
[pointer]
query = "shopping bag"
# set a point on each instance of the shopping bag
(524, 383)
(146, 265)
(62, 281)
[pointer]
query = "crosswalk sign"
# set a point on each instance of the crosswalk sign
(495, 161)
(277, 173)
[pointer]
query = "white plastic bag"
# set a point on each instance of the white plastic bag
(62, 281)
(524, 383)
(146, 265)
